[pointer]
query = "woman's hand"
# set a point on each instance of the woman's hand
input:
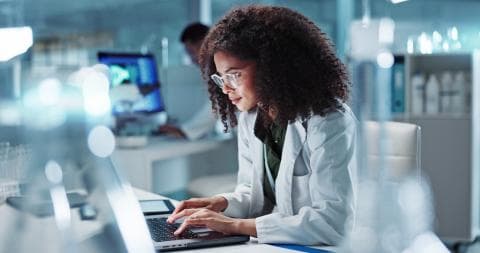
(190, 206)
(218, 222)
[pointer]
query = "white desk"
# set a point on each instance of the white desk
(82, 230)
(137, 164)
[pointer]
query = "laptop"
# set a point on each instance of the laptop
(156, 213)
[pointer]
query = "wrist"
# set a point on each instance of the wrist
(221, 203)
(246, 227)
(218, 203)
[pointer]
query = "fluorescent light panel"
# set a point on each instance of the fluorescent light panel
(397, 1)
(14, 41)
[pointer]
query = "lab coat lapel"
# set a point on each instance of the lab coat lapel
(294, 140)
(258, 173)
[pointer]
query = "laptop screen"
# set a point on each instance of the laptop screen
(139, 70)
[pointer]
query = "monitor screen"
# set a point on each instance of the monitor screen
(140, 71)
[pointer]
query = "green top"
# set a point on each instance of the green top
(273, 137)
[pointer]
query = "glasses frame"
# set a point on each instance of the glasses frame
(230, 80)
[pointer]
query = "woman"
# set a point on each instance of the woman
(295, 134)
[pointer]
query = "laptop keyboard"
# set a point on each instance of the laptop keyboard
(161, 230)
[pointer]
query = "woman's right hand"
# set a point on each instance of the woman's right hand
(190, 206)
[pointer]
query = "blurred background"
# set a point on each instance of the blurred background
(432, 81)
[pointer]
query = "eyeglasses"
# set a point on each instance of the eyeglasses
(231, 80)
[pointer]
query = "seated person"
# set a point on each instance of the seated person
(203, 121)
(296, 135)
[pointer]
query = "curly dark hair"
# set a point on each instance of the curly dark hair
(194, 32)
(297, 71)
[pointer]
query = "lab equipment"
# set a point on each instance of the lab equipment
(459, 93)
(432, 95)
(43, 207)
(446, 92)
(68, 149)
(418, 92)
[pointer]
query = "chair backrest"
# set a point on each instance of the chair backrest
(400, 143)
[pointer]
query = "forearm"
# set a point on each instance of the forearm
(246, 227)
(308, 227)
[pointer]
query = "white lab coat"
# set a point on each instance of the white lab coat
(314, 185)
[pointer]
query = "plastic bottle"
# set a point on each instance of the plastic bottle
(459, 93)
(432, 95)
(468, 91)
(418, 92)
(446, 93)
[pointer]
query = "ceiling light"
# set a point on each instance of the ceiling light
(397, 1)
(14, 41)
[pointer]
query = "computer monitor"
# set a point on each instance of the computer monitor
(140, 70)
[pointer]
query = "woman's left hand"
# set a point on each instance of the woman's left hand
(218, 222)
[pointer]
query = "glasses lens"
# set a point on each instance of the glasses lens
(217, 80)
(231, 80)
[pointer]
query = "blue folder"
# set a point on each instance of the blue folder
(301, 248)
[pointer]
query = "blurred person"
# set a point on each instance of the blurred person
(203, 121)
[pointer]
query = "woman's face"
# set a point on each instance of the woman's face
(243, 97)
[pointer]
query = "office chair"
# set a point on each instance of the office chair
(400, 143)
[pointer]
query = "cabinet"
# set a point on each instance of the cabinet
(449, 152)
(452, 74)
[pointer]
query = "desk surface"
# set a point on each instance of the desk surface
(159, 148)
(137, 163)
(84, 229)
